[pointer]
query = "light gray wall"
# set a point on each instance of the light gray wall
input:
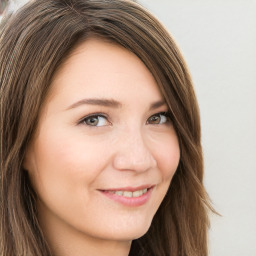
(218, 40)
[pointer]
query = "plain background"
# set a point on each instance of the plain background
(218, 41)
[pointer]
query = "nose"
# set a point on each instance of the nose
(133, 153)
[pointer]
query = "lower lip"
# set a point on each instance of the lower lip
(130, 201)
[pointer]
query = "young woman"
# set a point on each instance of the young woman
(100, 135)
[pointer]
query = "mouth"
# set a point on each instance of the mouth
(130, 196)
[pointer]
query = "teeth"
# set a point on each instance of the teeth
(130, 193)
(119, 193)
(137, 193)
(127, 194)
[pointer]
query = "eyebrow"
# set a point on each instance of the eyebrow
(110, 103)
(97, 102)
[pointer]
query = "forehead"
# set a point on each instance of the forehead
(100, 68)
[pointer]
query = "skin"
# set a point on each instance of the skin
(70, 160)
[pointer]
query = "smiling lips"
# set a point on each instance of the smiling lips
(130, 196)
(129, 193)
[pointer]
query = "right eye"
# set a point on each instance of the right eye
(95, 120)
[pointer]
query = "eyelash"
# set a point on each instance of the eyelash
(97, 115)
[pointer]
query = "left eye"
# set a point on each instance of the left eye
(95, 120)
(160, 118)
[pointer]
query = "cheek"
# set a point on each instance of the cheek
(64, 172)
(62, 162)
(168, 155)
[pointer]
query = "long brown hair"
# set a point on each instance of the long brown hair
(33, 44)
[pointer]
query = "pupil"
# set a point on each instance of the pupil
(155, 119)
(93, 121)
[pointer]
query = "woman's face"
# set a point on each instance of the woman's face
(105, 151)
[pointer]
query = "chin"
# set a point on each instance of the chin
(129, 233)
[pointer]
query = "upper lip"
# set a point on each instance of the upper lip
(132, 189)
